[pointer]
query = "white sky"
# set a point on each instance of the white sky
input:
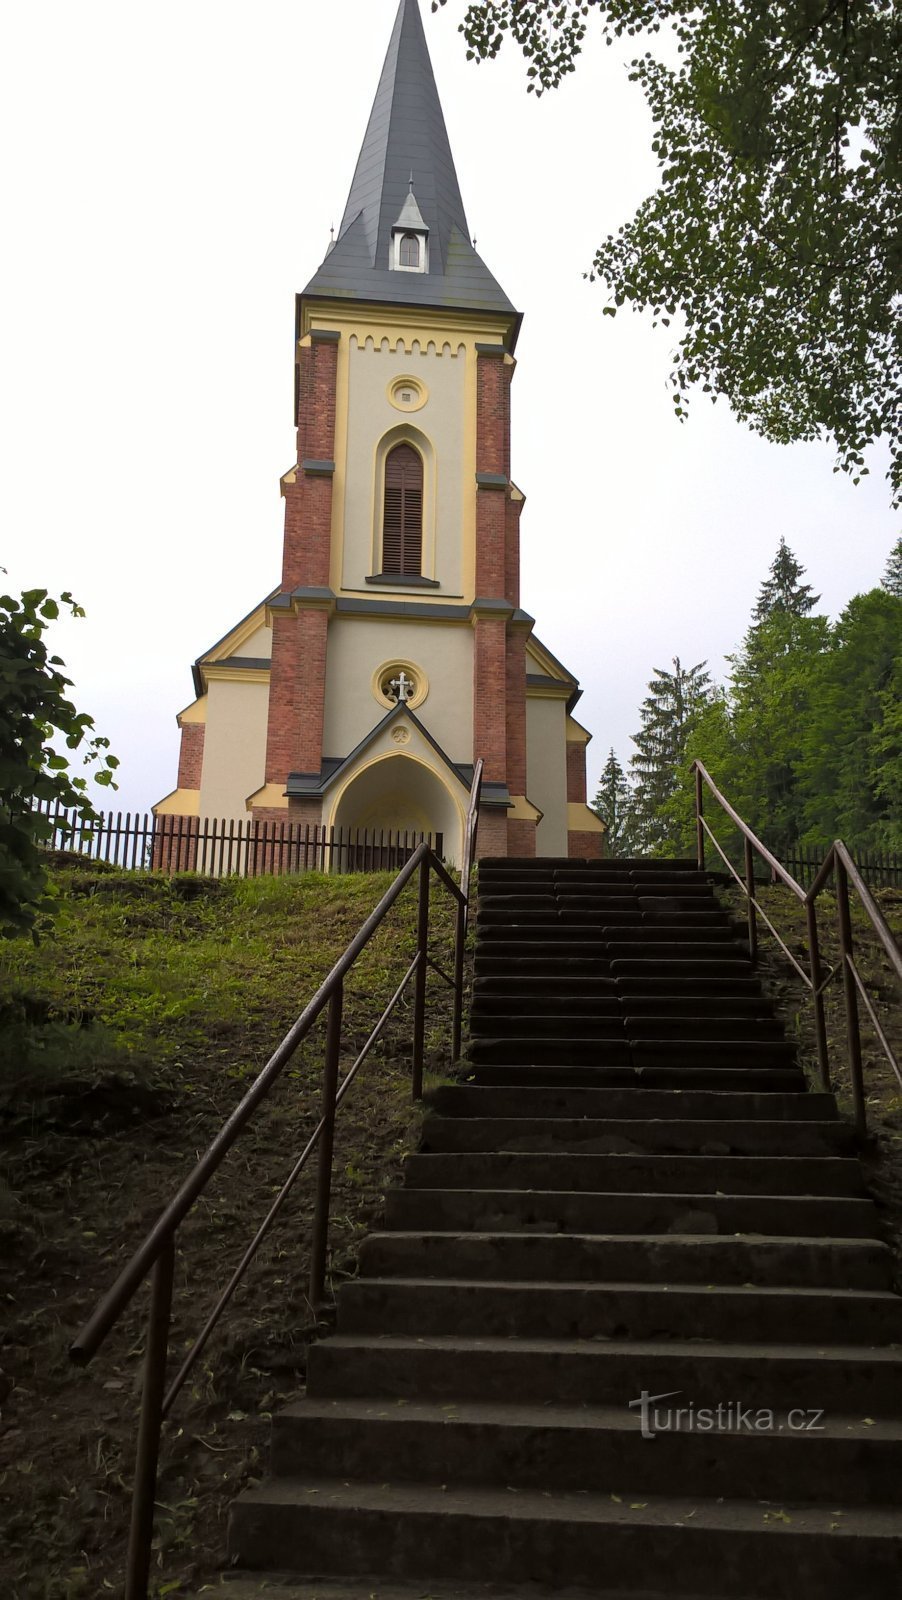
(171, 174)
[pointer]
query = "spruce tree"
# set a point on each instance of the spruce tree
(613, 804)
(783, 590)
(892, 577)
(669, 714)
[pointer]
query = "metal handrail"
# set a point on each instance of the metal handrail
(837, 864)
(155, 1256)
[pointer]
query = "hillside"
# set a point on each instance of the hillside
(128, 1036)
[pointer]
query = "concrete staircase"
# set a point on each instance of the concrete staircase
(634, 1191)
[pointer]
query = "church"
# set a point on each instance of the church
(394, 651)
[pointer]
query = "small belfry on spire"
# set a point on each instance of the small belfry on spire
(409, 247)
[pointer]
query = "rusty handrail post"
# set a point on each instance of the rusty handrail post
(853, 1027)
(419, 993)
(750, 886)
(820, 1020)
(324, 1173)
(144, 1495)
(699, 813)
(460, 939)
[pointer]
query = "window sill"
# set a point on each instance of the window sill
(402, 580)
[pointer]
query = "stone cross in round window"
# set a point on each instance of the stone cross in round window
(399, 683)
(400, 688)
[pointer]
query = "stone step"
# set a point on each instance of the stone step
(556, 985)
(851, 1380)
(570, 1448)
(555, 965)
(272, 1586)
(604, 1003)
(623, 929)
(582, 1024)
(414, 1530)
(610, 1135)
(472, 1100)
(697, 965)
(611, 1023)
(496, 1210)
(559, 1310)
(758, 1079)
(685, 985)
(836, 1176)
(559, 987)
(685, 1258)
(647, 1024)
(575, 1050)
(713, 1052)
(608, 1001)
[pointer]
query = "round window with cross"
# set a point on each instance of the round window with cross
(398, 683)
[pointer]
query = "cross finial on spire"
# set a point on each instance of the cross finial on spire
(411, 180)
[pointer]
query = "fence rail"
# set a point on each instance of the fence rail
(225, 847)
(839, 866)
(881, 869)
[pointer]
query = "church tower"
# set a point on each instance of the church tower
(394, 651)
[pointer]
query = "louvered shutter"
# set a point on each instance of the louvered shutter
(402, 521)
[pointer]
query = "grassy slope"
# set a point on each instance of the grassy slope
(128, 1036)
(883, 1155)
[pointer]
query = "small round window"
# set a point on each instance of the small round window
(400, 683)
(407, 394)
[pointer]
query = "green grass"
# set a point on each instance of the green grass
(128, 1036)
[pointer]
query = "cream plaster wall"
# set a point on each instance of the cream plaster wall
(259, 645)
(440, 425)
(234, 747)
(546, 771)
(358, 645)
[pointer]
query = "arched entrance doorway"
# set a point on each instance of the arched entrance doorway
(401, 794)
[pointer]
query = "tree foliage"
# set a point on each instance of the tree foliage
(669, 715)
(36, 715)
(774, 233)
(613, 804)
(892, 577)
(805, 737)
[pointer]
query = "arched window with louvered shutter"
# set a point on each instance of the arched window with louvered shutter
(402, 517)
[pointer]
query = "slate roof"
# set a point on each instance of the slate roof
(406, 135)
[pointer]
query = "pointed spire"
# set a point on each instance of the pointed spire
(406, 136)
(406, 131)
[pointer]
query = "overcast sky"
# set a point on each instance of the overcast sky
(171, 174)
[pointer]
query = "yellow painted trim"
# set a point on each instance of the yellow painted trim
(395, 755)
(180, 803)
(420, 393)
(549, 691)
(399, 322)
(224, 672)
(272, 795)
(581, 820)
(196, 712)
(549, 667)
(234, 640)
(576, 733)
(468, 477)
(340, 475)
(397, 665)
(523, 810)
